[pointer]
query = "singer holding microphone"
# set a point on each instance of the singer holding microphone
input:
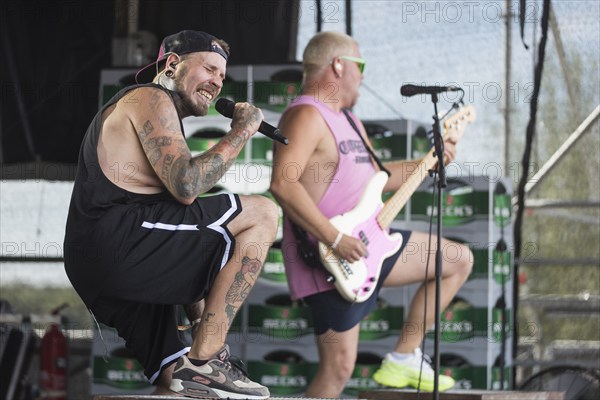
(139, 241)
(330, 149)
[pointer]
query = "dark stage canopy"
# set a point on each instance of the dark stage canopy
(53, 53)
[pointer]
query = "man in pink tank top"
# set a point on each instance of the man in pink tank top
(323, 173)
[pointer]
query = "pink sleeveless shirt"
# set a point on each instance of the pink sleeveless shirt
(346, 187)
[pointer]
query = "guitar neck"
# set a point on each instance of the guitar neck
(453, 128)
(395, 203)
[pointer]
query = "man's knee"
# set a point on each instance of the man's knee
(271, 209)
(460, 258)
(267, 212)
(341, 366)
(464, 264)
(346, 368)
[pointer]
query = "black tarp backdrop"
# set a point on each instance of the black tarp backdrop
(53, 52)
(259, 32)
(57, 50)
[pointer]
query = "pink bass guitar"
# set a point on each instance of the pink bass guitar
(370, 219)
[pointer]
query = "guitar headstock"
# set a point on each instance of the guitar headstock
(454, 125)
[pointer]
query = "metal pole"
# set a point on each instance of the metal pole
(563, 149)
(563, 63)
(349, 17)
(507, 83)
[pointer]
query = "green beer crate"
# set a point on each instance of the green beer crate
(478, 350)
(476, 377)
(500, 265)
(261, 148)
(390, 147)
(283, 370)
(463, 201)
(461, 204)
(205, 140)
(461, 322)
(273, 269)
(280, 318)
(367, 363)
(114, 368)
(402, 214)
(488, 262)
(383, 321)
(392, 137)
(420, 146)
(275, 96)
(234, 91)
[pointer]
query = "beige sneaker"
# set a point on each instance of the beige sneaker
(217, 379)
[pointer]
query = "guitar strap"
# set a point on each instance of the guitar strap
(307, 251)
(373, 155)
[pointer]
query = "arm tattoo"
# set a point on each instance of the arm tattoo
(167, 164)
(237, 141)
(154, 99)
(169, 124)
(244, 280)
(146, 130)
(184, 177)
(189, 179)
(163, 109)
(153, 156)
(153, 145)
(214, 167)
(187, 176)
(210, 316)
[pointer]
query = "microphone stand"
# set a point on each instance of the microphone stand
(438, 143)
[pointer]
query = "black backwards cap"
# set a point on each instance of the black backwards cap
(180, 43)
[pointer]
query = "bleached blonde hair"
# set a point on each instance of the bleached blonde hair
(322, 48)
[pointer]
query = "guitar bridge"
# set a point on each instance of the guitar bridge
(346, 270)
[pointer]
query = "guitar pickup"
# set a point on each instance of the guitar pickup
(363, 237)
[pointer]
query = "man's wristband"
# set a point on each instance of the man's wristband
(337, 241)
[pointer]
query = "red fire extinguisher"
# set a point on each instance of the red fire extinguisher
(53, 364)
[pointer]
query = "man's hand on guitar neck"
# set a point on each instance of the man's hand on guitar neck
(449, 150)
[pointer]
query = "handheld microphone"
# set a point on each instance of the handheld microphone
(225, 107)
(411, 90)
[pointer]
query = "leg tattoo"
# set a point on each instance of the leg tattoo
(244, 280)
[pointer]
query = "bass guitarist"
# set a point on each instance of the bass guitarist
(323, 173)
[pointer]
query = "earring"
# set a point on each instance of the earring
(169, 73)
